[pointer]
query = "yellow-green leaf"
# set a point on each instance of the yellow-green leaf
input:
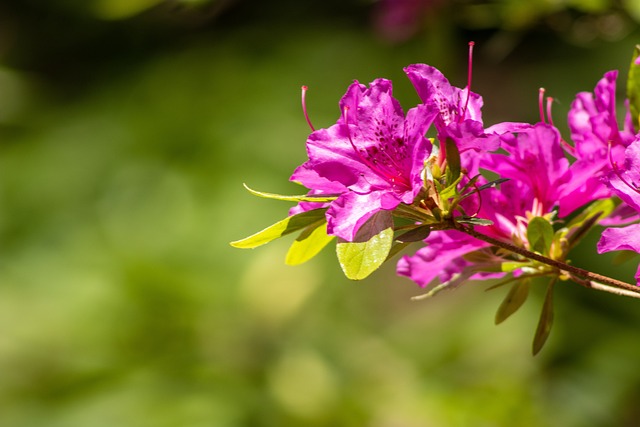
(280, 228)
(310, 242)
(369, 249)
(301, 198)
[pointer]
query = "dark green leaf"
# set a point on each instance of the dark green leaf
(396, 248)
(310, 242)
(513, 301)
(369, 249)
(540, 235)
(633, 87)
(416, 234)
(301, 198)
(280, 228)
(493, 183)
(546, 320)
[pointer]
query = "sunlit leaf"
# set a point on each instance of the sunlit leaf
(310, 242)
(516, 296)
(599, 209)
(546, 320)
(540, 235)
(300, 198)
(280, 228)
(369, 249)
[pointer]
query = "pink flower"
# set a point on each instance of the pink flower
(598, 139)
(459, 110)
(372, 158)
(625, 184)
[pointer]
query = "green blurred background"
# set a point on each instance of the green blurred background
(127, 128)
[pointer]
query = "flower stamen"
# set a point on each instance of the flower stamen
(541, 104)
(304, 107)
(469, 73)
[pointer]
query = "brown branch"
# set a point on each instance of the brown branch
(575, 271)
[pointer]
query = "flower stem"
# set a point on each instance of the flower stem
(596, 281)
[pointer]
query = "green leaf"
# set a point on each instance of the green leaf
(301, 198)
(600, 209)
(513, 301)
(540, 235)
(310, 242)
(280, 228)
(582, 223)
(546, 320)
(370, 247)
(415, 234)
(633, 87)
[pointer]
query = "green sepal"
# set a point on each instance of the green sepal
(453, 160)
(474, 221)
(545, 322)
(301, 198)
(509, 266)
(540, 235)
(633, 88)
(451, 190)
(369, 249)
(309, 243)
(280, 228)
(516, 296)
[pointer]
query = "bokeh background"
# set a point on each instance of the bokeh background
(127, 128)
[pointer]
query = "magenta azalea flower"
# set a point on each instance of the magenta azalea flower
(459, 110)
(598, 139)
(536, 167)
(372, 158)
(626, 185)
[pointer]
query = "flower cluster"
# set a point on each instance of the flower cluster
(507, 201)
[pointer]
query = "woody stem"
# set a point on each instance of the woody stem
(562, 266)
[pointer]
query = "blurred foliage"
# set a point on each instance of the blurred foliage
(126, 131)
